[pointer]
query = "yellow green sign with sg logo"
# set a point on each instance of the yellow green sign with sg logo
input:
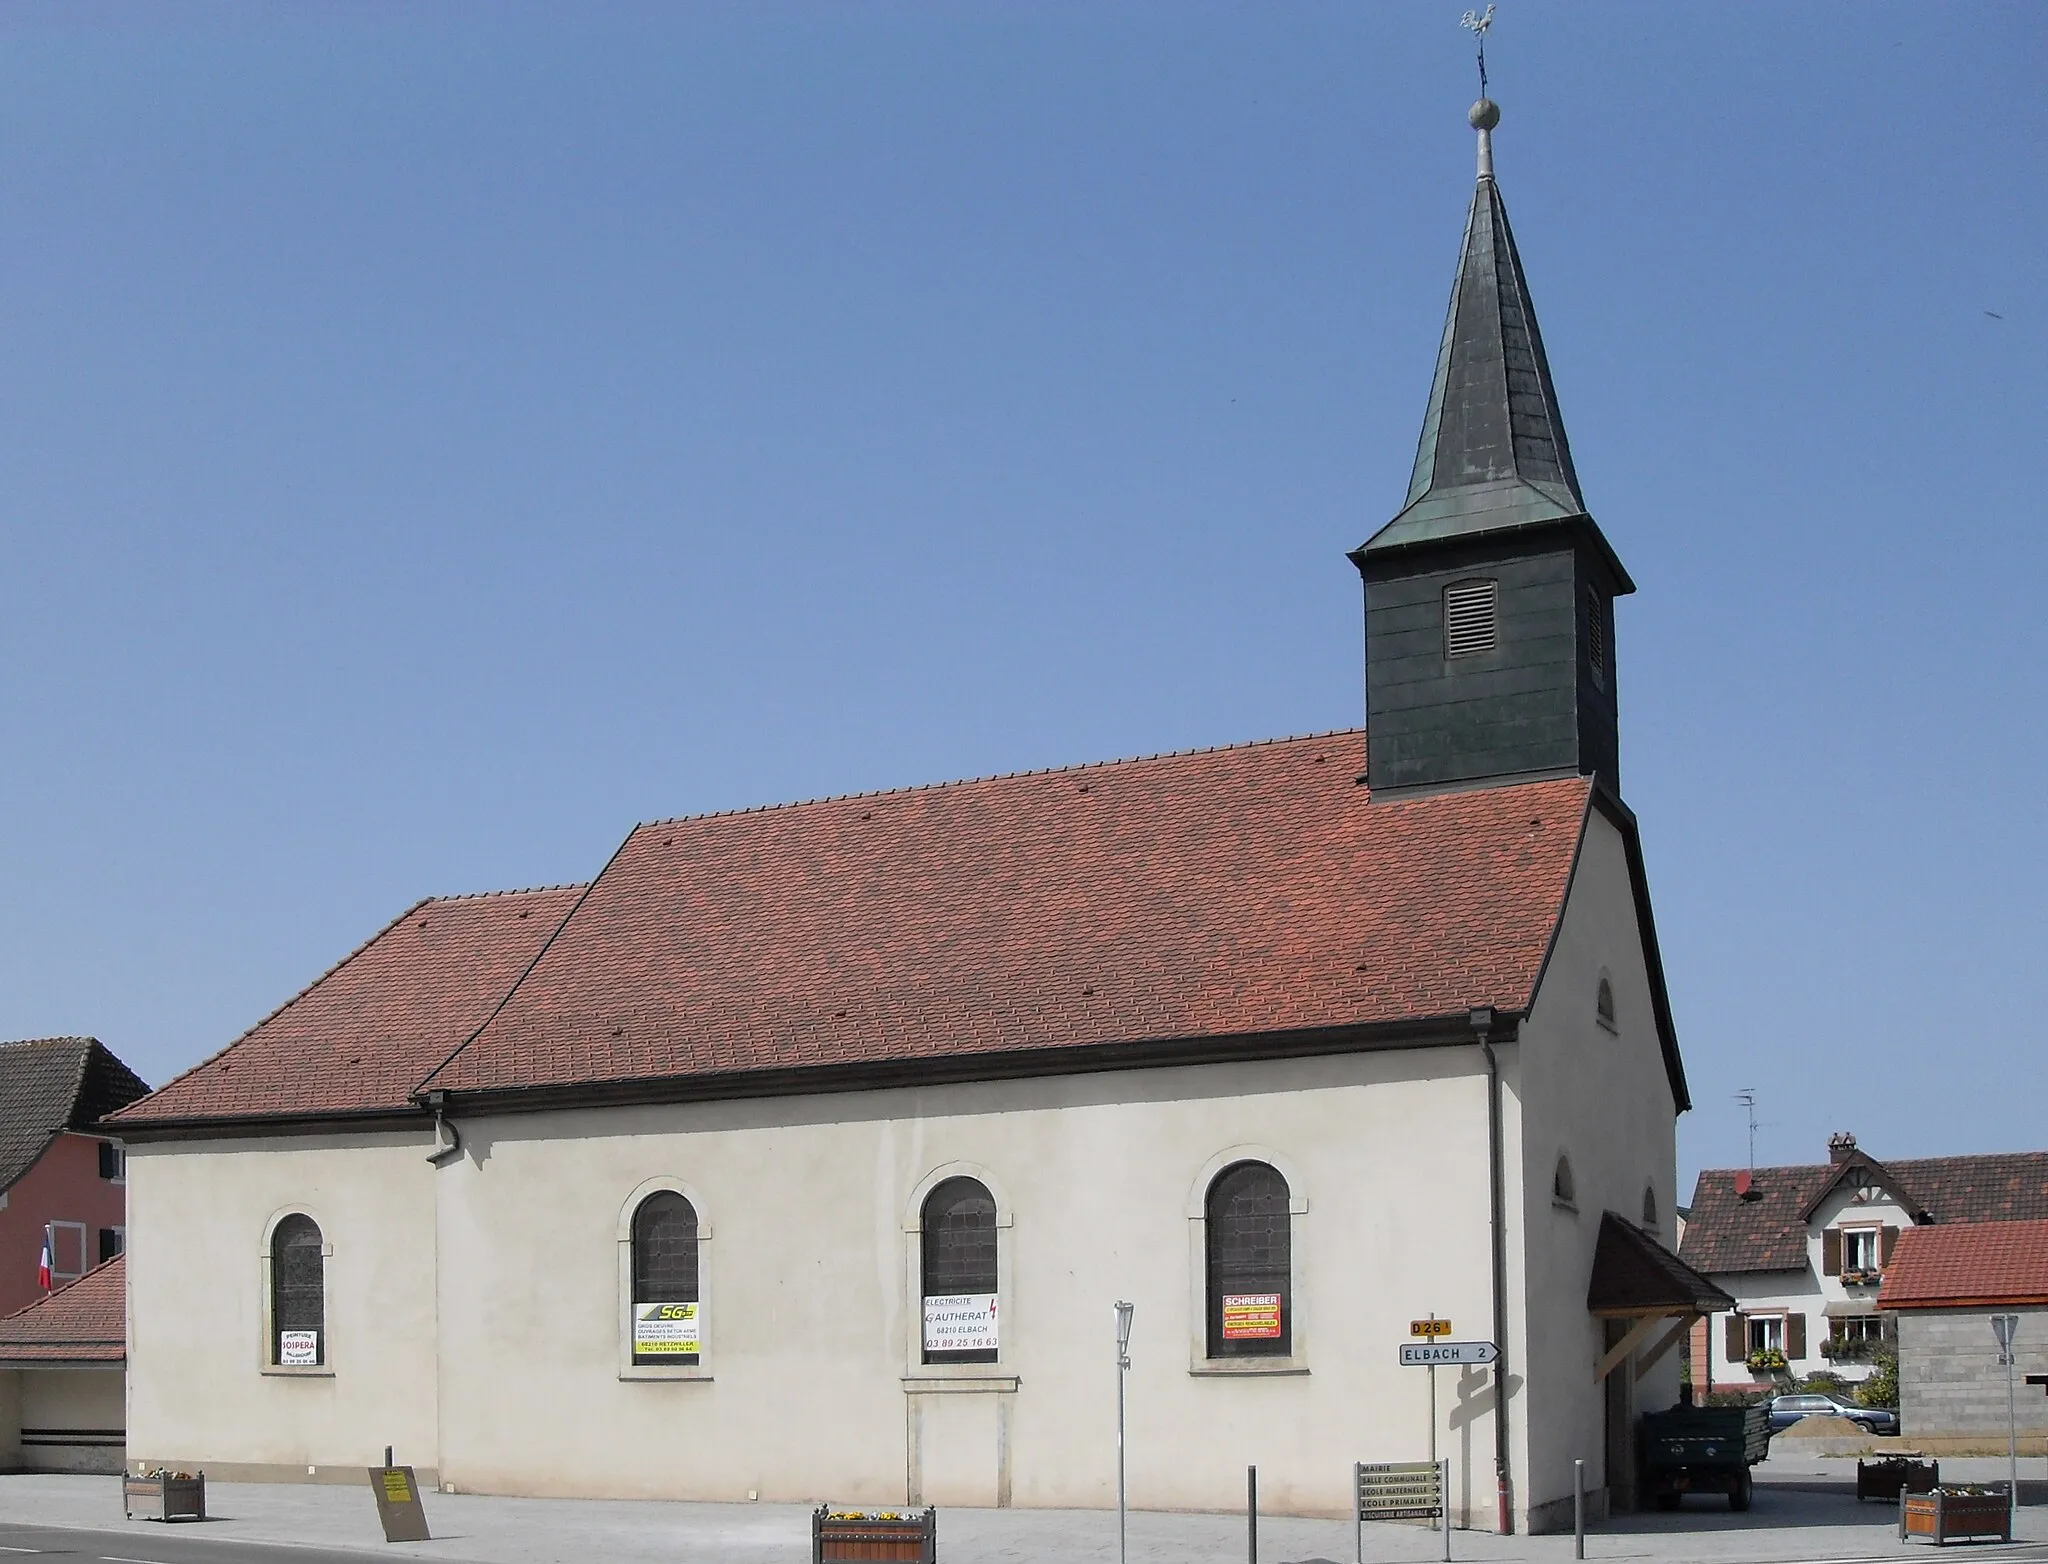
(663, 1328)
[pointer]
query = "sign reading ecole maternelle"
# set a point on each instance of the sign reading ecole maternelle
(960, 1322)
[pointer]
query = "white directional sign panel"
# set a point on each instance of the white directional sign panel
(1423, 1354)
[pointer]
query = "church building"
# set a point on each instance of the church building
(805, 1153)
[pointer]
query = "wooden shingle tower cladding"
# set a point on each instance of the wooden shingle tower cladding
(1489, 629)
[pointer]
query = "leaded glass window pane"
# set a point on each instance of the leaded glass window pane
(1249, 1244)
(959, 1255)
(664, 1262)
(298, 1293)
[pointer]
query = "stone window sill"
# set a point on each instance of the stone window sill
(1237, 1368)
(687, 1371)
(293, 1371)
(929, 1384)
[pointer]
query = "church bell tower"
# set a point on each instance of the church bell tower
(1489, 622)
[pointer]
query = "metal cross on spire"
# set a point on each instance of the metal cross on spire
(1479, 24)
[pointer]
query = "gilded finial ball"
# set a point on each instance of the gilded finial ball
(1485, 114)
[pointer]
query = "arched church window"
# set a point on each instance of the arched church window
(1603, 1003)
(1471, 618)
(667, 1327)
(298, 1293)
(1562, 1189)
(957, 1258)
(1250, 1260)
(1650, 1205)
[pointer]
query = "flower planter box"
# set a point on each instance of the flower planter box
(1951, 1517)
(171, 1498)
(1889, 1476)
(851, 1537)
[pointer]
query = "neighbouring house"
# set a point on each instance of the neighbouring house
(63, 1396)
(61, 1178)
(1944, 1285)
(807, 1150)
(1803, 1250)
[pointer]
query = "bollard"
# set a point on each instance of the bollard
(1578, 1509)
(1251, 1514)
(387, 1456)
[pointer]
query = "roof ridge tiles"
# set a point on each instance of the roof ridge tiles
(1000, 776)
(521, 890)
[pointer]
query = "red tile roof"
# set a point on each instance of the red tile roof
(84, 1322)
(1726, 1234)
(1226, 892)
(1968, 1265)
(361, 1038)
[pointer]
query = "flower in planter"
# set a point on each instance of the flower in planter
(1768, 1359)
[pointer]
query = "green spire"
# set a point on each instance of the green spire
(1493, 455)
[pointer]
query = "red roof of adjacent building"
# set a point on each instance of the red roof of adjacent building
(1226, 892)
(360, 1038)
(1968, 1265)
(83, 1322)
(1766, 1230)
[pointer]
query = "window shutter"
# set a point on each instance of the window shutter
(1469, 618)
(1737, 1341)
(1795, 1336)
(1891, 1242)
(1831, 1252)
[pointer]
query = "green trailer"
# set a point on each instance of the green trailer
(1702, 1450)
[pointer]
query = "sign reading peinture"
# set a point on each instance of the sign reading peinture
(667, 1328)
(960, 1322)
(1425, 1354)
(1251, 1316)
(298, 1348)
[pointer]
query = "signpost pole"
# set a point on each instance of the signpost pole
(1443, 1501)
(2005, 1327)
(1124, 1311)
(1446, 1522)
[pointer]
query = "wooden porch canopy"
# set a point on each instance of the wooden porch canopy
(1637, 1279)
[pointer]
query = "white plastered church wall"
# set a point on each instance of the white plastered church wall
(1603, 1099)
(200, 1387)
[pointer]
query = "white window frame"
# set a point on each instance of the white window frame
(1774, 1322)
(915, 1369)
(1873, 1233)
(325, 1369)
(707, 1316)
(1200, 1364)
(84, 1232)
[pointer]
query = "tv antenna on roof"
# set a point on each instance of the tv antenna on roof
(1747, 1097)
(1478, 24)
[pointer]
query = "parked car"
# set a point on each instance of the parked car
(1787, 1410)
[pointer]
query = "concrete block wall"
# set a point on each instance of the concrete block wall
(1951, 1384)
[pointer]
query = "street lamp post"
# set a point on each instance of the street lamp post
(1124, 1311)
(2003, 1326)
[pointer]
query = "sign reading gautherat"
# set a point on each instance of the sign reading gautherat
(1423, 1354)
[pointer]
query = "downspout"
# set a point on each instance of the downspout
(1482, 1024)
(451, 1146)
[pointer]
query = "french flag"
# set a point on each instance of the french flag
(43, 1270)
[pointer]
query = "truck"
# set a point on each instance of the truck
(1691, 1449)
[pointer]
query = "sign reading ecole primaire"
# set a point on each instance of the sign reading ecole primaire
(667, 1328)
(298, 1348)
(1251, 1316)
(960, 1322)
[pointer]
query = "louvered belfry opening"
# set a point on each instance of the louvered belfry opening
(958, 1244)
(1250, 1259)
(665, 1266)
(298, 1289)
(1471, 618)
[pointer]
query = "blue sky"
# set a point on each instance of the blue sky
(434, 438)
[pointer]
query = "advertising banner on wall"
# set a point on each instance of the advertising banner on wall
(960, 1322)
(1251, 1316)
(667, 1328)
(298, 1348)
